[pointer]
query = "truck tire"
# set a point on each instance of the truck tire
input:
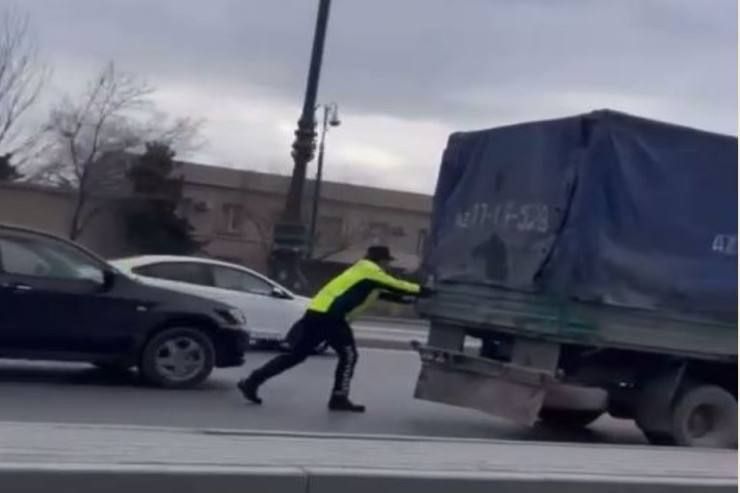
(705, 416)
(658, 438)
(568, 418)
(178, 358)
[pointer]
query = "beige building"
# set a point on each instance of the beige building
(234, 212)
(51, 209)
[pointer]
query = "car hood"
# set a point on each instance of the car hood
(231, 299)
(170, 298)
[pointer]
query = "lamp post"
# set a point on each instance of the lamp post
(289, 235)
(331, 119)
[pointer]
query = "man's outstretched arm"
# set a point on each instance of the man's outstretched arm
(388, 283)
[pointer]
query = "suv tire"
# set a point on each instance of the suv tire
(178, 358)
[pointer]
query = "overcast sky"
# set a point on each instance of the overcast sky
(405, 73)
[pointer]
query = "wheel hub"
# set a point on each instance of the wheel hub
(180, 359)
(700, 421)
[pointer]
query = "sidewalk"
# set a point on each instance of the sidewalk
(92, 444)
(92, 455)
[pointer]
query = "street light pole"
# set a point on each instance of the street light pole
(327, 122)
(289, 236)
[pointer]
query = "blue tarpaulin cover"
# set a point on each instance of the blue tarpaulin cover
(603, 207)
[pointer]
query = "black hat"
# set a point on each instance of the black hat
(379, 253)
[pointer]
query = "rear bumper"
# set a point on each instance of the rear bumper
(231, 347)
(503, 389)
(513, 391)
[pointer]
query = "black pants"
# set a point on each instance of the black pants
(314, 329)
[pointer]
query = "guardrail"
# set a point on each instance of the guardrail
(89, 459)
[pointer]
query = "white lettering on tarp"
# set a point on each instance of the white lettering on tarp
(725, 244)
(509, 215)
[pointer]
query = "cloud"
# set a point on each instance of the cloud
(405, 72)
(386, 151)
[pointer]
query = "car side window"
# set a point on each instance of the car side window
(26, 255)
(187, 272)
(19, 260)
(236, 280)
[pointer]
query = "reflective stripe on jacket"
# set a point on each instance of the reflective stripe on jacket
(350, 293)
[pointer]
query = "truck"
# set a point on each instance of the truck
(586, 266)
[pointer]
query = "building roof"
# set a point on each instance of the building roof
(278, 184)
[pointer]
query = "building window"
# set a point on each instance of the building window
(232, 218)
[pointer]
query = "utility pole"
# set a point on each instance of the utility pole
(331, 119)
(289, 235)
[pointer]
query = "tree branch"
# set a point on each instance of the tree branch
(104, 123)
(22, 75)
(88, 217)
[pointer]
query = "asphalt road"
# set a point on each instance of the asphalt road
(66, 393)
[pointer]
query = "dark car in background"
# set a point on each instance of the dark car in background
(60, 302)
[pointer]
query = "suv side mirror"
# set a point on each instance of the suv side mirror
(109, 279)
(90, 274)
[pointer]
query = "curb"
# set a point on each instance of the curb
(70, 458)
(114, 478)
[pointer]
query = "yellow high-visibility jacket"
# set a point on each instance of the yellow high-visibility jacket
(350, 293)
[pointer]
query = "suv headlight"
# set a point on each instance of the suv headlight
(233, 317)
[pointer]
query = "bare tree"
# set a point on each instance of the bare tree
(115, 115)
(22, 76)
(350, 236)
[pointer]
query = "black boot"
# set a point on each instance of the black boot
(248, 389)
(342, 403)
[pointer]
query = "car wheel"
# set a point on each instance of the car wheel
(178, 358)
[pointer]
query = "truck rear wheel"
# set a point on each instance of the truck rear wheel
(658, 438)
(568, 418)
(705, 416)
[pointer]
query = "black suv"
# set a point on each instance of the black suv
(60, 302)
